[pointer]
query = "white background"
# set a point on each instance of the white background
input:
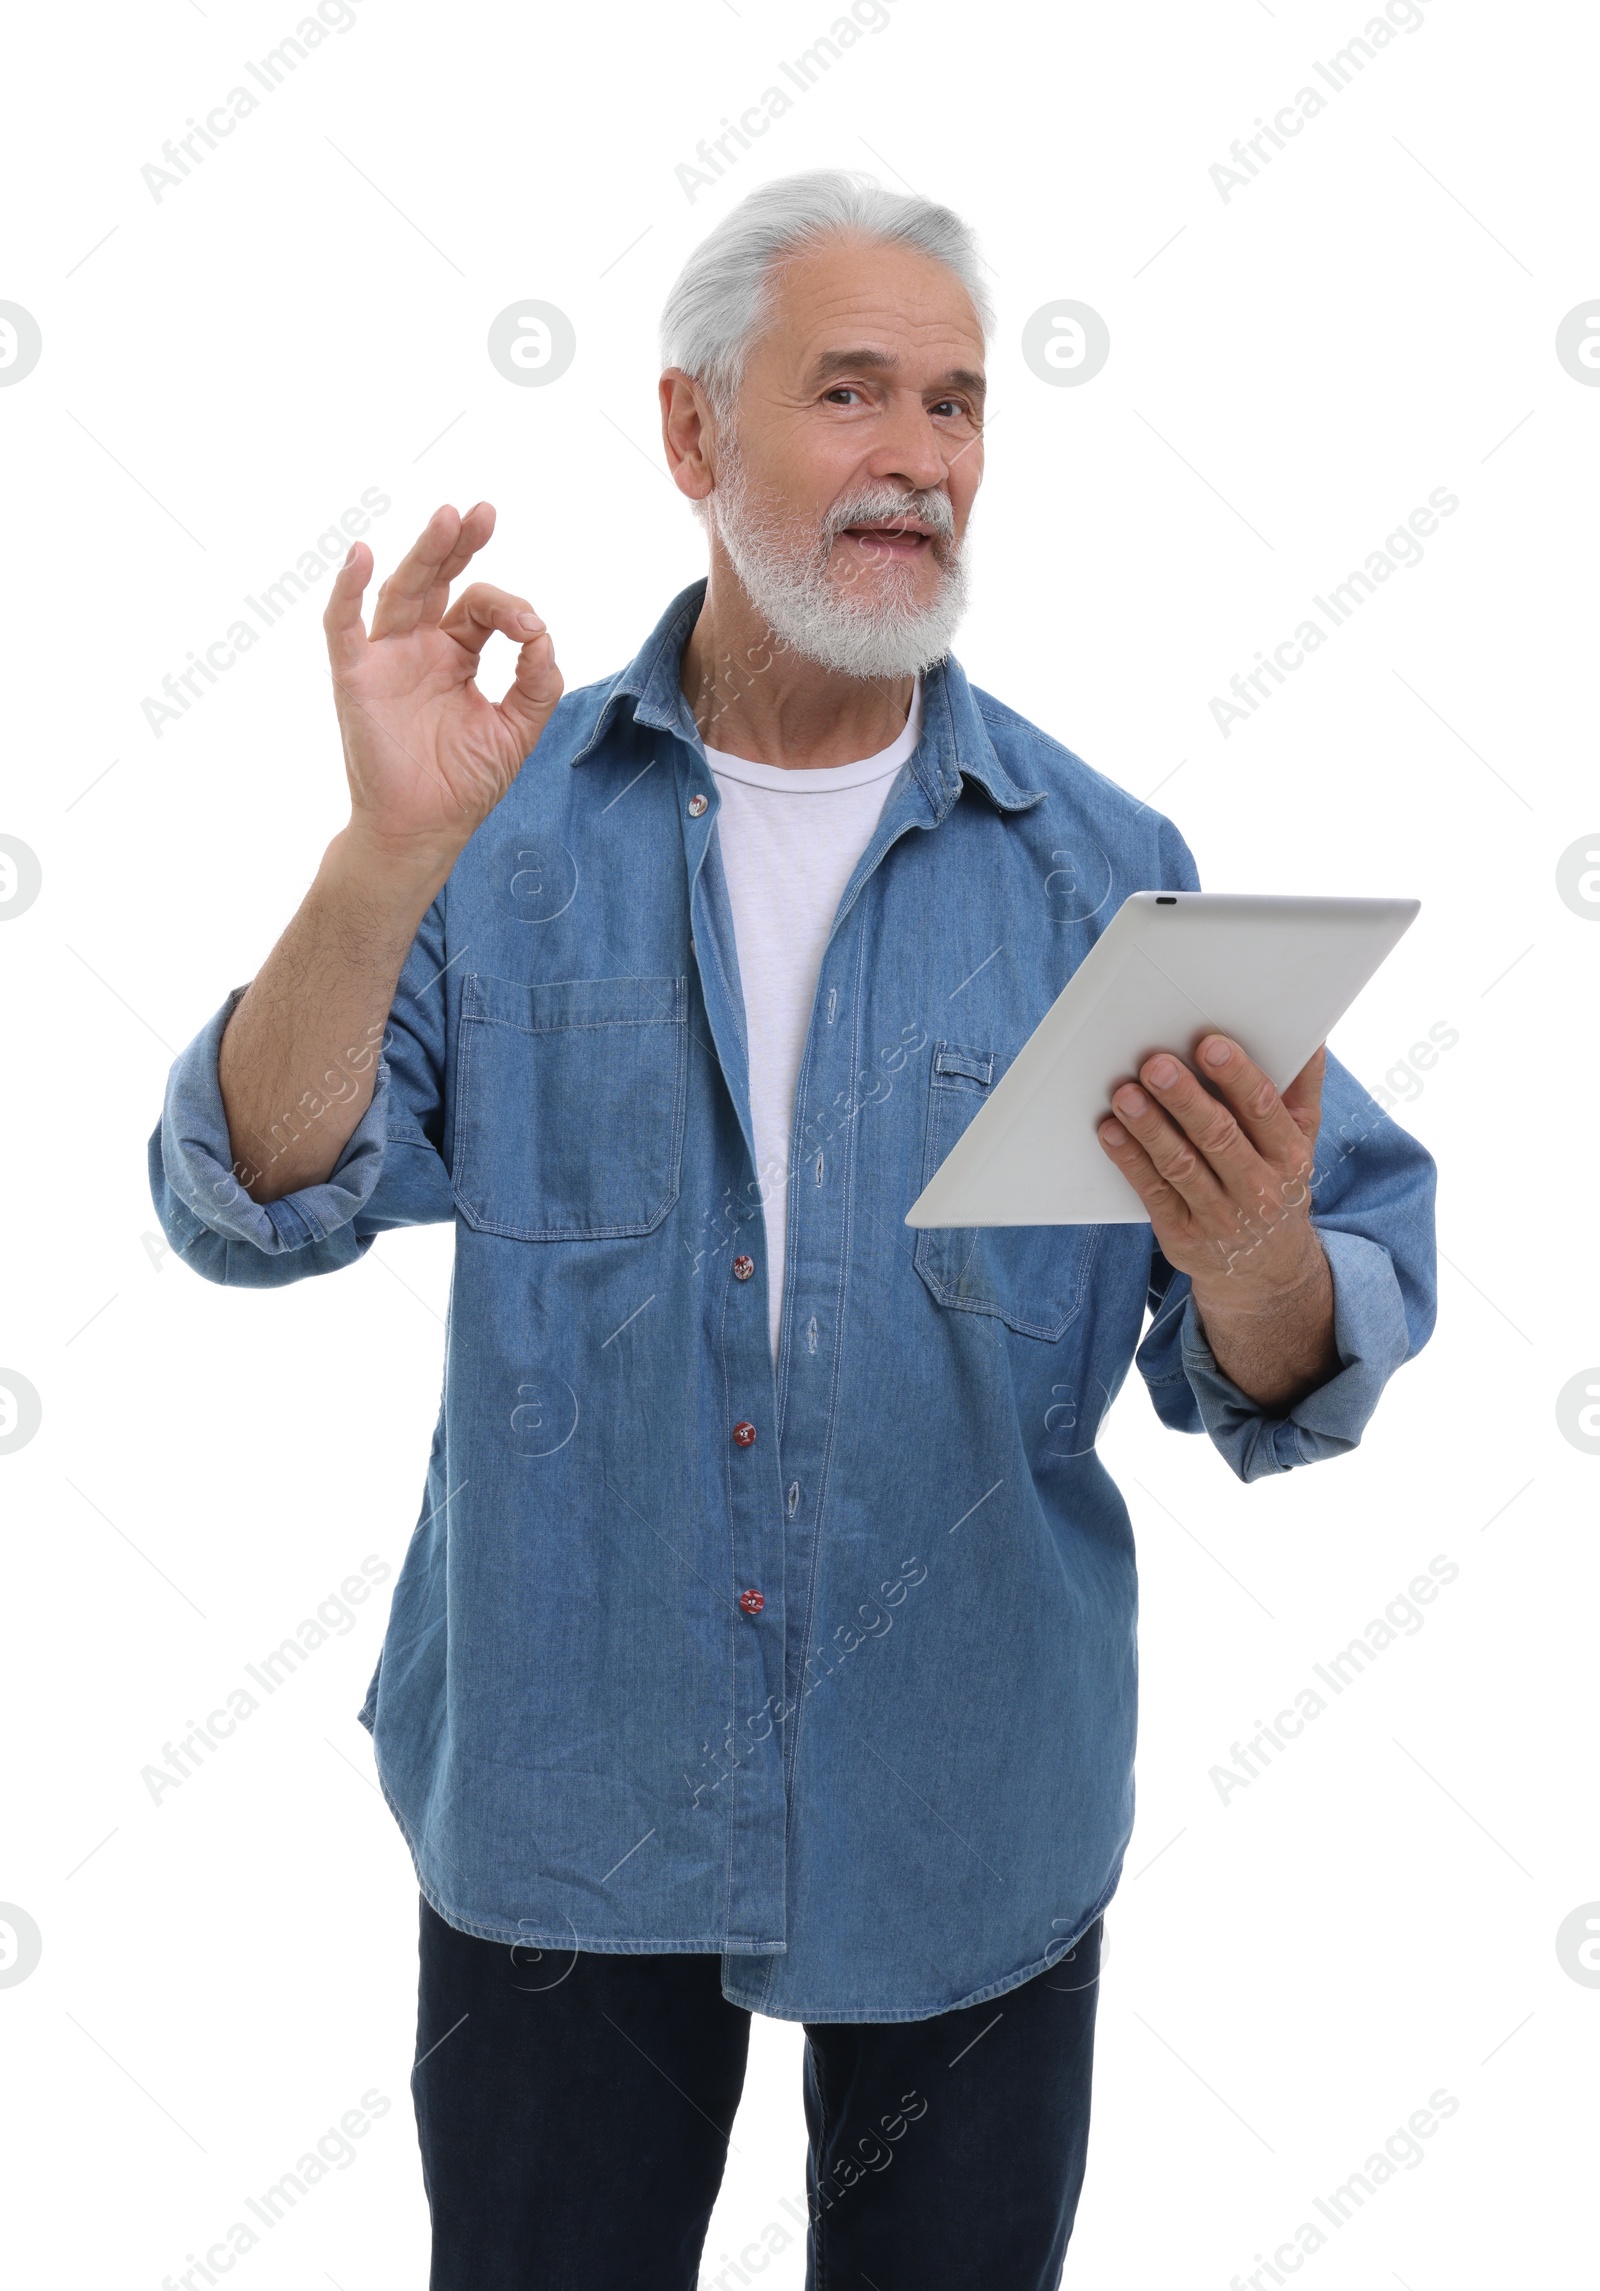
(1292, 371)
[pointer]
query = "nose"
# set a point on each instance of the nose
(909, 451)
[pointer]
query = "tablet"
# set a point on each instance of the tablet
(1273, 973)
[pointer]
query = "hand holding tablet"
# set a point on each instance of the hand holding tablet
(1270, 974)
(1223, 1167)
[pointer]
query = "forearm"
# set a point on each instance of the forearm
(1278, 1350)
(299, 1057)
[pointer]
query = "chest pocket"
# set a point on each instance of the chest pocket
(1033, 1277)
(570, 1103)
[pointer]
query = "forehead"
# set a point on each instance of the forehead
(853, 293)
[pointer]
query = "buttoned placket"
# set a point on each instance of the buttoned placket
(776, 1436)
(758, 1588)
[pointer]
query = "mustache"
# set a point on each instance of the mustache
(883, 505)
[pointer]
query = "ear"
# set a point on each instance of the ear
(688, 433)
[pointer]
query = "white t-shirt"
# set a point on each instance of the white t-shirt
(789, 842)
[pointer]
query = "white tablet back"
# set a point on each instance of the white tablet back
(1274, 973)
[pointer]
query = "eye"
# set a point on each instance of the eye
(843, 390)
(953, 408)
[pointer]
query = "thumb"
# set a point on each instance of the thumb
(534, 690)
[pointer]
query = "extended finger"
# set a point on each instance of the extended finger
(1261, 1111)
(419, 587)
(341, 617)
(483, 611)
(1175, 1155)
(477, 527)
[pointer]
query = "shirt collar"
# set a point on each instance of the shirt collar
(955, 741)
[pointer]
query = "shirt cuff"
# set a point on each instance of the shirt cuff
(191, 1159)
(1370, 1335)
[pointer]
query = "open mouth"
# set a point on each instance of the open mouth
(894, 538)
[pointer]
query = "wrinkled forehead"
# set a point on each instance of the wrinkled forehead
(891, 311)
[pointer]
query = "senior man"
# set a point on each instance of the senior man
(766, 1642)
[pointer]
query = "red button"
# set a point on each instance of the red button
(743, 1267)
(752, 1602)
(744, 1434)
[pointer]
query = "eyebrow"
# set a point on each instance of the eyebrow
(879, 362)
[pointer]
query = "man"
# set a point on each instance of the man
(767, 1638)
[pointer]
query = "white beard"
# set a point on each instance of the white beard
(783, 570)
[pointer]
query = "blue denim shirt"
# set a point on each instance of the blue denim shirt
(828, 1668)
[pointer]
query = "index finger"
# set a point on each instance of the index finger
(341, 619)
(418, 589)
(1254, 1099)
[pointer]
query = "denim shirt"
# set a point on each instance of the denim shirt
(828, 1668)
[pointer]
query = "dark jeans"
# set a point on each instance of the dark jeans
(574, 2110)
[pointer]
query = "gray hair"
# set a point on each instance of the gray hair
(722, 297)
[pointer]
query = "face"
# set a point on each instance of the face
(843, 493)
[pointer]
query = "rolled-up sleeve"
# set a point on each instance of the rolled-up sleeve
(389, 1173)
(1372, 1201)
